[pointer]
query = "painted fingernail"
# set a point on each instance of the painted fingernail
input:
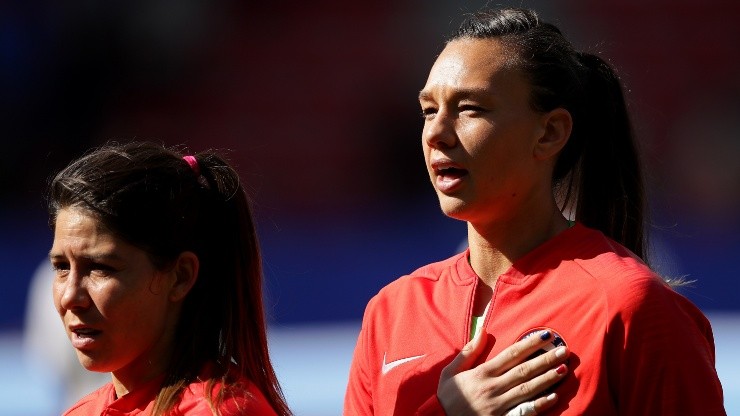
(560, 352)
(551, 397)
(561, 369)
(545, 335)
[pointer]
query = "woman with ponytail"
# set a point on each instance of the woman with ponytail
(552, 308)
(159, 282)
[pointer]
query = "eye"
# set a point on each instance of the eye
(472, 109)
(100, 269)
(60, 265)
(61, 268)
(428, 112)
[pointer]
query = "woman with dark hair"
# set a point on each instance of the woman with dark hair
(159, 282)
(529, 142)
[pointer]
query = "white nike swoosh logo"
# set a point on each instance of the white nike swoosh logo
(393, 364)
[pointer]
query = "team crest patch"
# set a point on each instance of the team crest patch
(555, 340)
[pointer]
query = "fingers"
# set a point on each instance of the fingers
(510, 380)
(537, 374)
(544, 403)
(524, 409)
(466, 357)
(518, 378)
(518, 352)
(534, 407)
(520, 391)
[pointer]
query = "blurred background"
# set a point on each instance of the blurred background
(315, 103)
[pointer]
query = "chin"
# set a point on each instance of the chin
(92, 363)
(453, 208)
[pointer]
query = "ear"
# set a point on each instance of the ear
(557, 124)
(185, 274)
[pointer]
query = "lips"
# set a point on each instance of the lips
(83, 336)
(448, 175)
(86, 332)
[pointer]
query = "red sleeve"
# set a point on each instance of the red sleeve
(253, 404)
(243, 398)
(660, 354)
(358, 399)
(246, 402)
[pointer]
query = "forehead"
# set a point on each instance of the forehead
(79, 219)
(80, 229)
(471, 61)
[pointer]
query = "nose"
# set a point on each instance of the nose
(439, 131)
(71, 292)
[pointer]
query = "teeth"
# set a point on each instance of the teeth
(84, 331)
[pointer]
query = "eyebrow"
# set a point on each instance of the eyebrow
(458, 93)
(95, 258)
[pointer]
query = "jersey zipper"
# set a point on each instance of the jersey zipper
(486, 313)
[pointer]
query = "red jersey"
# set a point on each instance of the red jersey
(636, 346)
(247, 400)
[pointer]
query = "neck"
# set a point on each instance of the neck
(496, 246)
(124, 383)
(145, 368)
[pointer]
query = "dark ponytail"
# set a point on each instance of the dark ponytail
(223, 319)
(608, 175)
(598, 171)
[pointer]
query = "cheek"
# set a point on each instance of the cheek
(138, 313)
(486, 154)
(478, 136)
(425, 149)
(135, 314)
(57, 291)
(150, 295)
(119, 302)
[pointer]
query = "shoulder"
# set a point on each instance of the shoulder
(440, 276)
(241, 397)
(440, 269)
(595, 263)
(92, 404)
(632, 290)
(610, 266)
(247, 399)
(446, 271)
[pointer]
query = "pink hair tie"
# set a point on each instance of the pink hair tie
(193, 163)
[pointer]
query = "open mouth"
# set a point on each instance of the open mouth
(448, 175)
(450, 172)
(84, 337)
(86, 332)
